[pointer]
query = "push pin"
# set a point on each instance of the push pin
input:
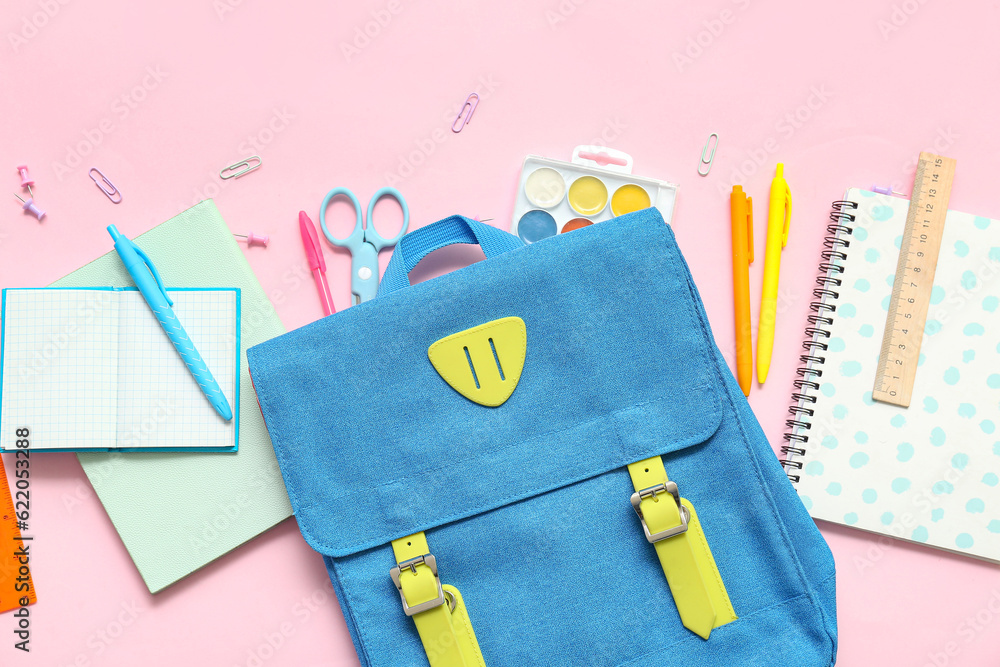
(886, 191)
(26, 181)
(29, 207)
(254, 239)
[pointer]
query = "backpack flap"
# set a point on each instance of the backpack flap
(377, 439)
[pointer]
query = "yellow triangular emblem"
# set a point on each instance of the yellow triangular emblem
(483, 363)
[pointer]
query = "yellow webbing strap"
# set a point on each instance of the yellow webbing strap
(438, 611)
(687, 561)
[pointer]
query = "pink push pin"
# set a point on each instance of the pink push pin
(254, 239)
(26, 181)
(29, 207)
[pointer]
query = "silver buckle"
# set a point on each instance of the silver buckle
(671, 488)
(428, 560)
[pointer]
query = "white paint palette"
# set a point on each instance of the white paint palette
(555, 197)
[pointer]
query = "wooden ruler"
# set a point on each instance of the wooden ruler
(10, 541)
(911, 291)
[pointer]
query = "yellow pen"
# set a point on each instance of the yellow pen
(778, 216)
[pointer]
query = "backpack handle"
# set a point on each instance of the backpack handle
(419, 243)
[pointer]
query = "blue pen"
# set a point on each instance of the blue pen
(148, 280)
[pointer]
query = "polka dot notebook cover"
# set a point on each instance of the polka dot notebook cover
(929, 473)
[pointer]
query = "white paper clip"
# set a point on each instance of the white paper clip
(471, 105)
(112, 193)
(240, 168)
(708, 163)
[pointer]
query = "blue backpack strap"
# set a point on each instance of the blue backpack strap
(419, 243)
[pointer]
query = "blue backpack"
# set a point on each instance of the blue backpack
(543, 459)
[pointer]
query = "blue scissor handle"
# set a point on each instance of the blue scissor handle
(363, 243)
(371, 234)
(356, 238)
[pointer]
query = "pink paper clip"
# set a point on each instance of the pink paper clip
(471, 105)
(112, 193)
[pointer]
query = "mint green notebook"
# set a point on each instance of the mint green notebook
(177, 512)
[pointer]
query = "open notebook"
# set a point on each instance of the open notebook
(929, 473)
(92, 369)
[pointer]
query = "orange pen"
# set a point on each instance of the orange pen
(741, 208)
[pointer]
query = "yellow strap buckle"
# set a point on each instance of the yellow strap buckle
(651, 492)
(396, 573)
(437, 610)
(692, 575)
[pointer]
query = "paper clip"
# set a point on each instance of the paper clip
(710, 157)
(244, 167)
(112, 193)
(471, 105)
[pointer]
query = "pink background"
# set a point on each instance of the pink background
(885, 80)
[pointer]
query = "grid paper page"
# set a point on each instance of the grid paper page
(159, 402)
(60, 368)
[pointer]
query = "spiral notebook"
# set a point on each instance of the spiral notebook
(92, 369)
(929, 473)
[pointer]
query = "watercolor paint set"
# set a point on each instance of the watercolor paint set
(554, 196)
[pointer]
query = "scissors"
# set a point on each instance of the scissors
(364, 242)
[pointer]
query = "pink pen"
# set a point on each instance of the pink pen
(314, 253)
